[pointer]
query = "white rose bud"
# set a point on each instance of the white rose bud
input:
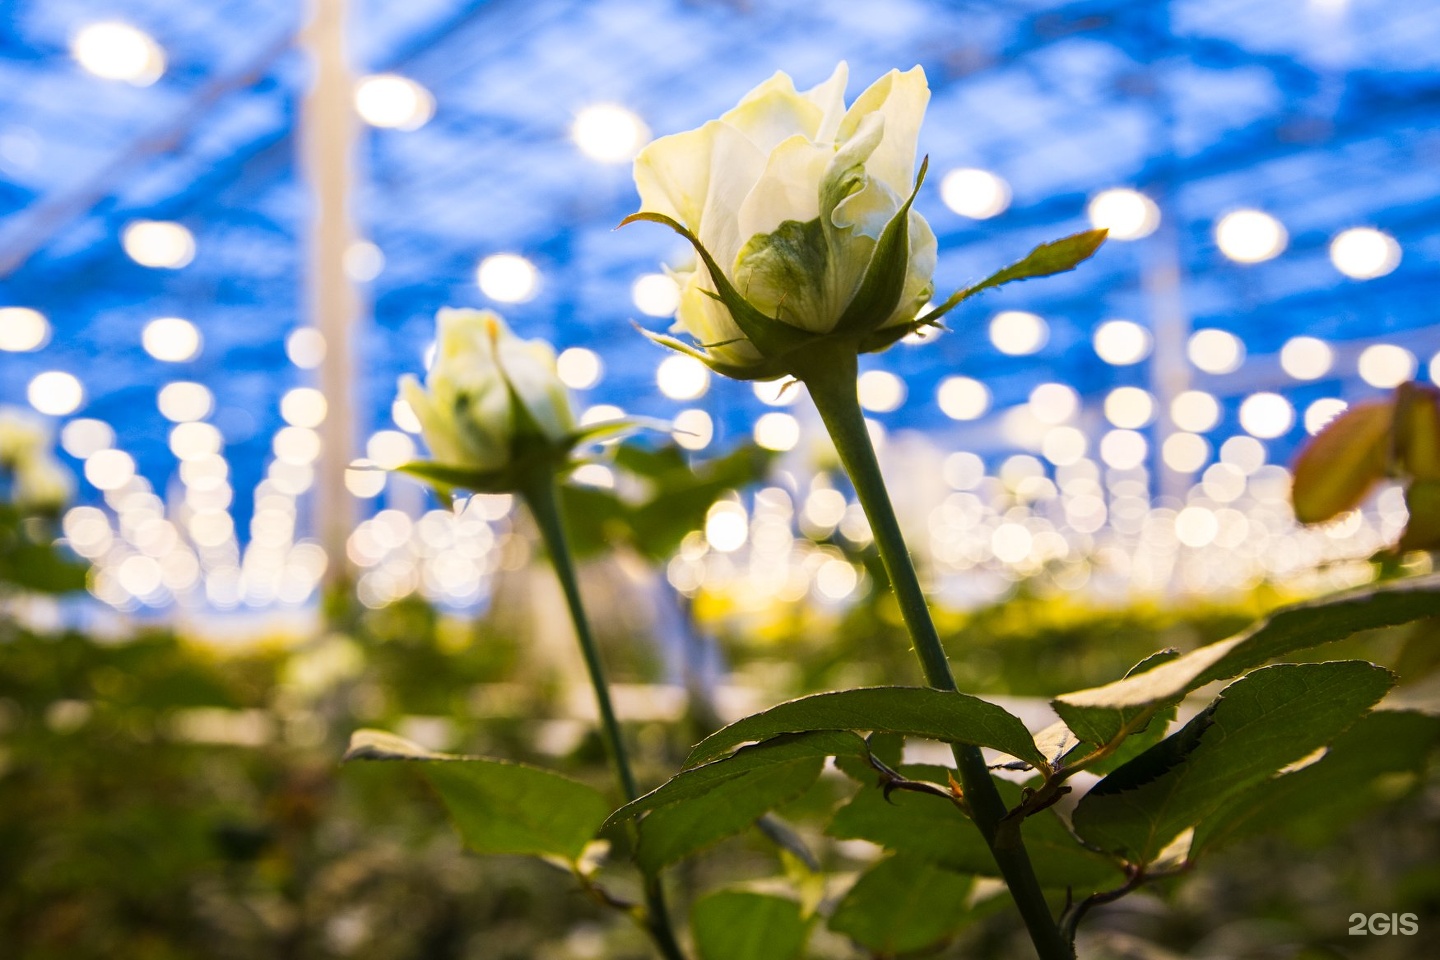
(485, 389)
(789, 194)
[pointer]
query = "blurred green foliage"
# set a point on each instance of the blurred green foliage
(166, 797)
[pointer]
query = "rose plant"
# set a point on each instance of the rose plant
(810, 252)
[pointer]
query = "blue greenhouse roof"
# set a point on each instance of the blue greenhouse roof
(1325, 114)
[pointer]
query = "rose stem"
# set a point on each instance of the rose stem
(830, 377)
(542, 495)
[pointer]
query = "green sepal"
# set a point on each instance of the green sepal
(615, 430)
(884, 281)
(762, 370)
(771, 337)
(886, 337)
(1048, 259)
(447, 477)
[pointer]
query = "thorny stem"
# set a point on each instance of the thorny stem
(830, 376)
(1075, 912)
(1053, 788)
(542, 495)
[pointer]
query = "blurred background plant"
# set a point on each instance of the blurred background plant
(164, 795)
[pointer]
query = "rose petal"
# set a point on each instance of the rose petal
(786, 190)
(774, 112)
(830, 98)
(900, 98)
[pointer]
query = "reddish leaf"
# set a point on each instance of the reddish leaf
(1340, 464)
(1417, 430)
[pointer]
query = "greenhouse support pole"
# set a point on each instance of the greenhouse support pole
(1163, 285)
(328, 133)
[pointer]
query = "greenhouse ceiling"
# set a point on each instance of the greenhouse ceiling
(1268, 171)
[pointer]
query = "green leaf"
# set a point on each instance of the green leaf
(701, 781)
(743, 925)
(39, 567)
(670, 499)
(903, 904)
(1103, 711)
(910, 711)
(928, 827)
(499, 806)
(884, 281)
(1336, 788)
(1048, 259)
(704, 805)
(1100, 727)
(1260, 723)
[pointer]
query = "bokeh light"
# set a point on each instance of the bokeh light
(305, 346)
(183, 400)
(681, 377)
(977, 194)
(881, 391)
(962, 398)
(507, 278)
(172, 339)
(1127, 214)
(1364, 253)
(609, 133)
(1129, 407)
(1185, 452)
(1053, 403)
(56, 393)
(694, 429)
(1195, 411)
(158, 243)
(777, 431)
(303, 407)
(1018, 332)
(84, 437)
(118, 51)
(579, 368)
(394, 102)
(1250, 236)
(23, 329)
(1386, 365)
(727, 526)
(1306, 358)
(656, 295)
(1215, 351)
(1266, 415)
(1122, 342)
(1123, 449)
